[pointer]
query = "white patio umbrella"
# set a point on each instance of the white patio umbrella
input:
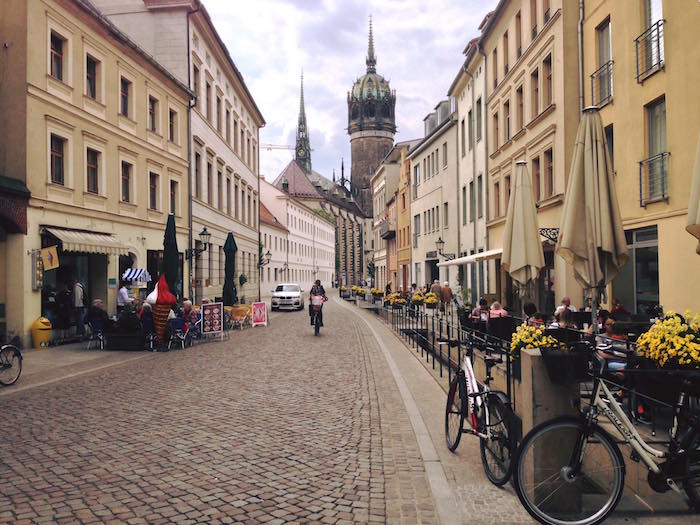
(522, 249)
(591, 237)
(693, 224)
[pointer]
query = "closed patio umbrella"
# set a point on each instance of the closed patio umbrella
(230, 295)
(522, 249)
(591, 237)
(693, 225)
(171, 256)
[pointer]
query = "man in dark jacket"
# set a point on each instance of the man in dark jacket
(317, 289)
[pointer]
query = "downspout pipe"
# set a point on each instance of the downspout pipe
(457, 224)
(486, 161)
(476, 215)
(189, 160)
(580, 59)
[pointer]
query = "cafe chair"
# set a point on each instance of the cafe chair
(96, 334)
(178, 332)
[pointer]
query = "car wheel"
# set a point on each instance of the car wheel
(273, 309)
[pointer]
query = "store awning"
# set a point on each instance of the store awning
(77, 241)
(481, 256)
(136, 274)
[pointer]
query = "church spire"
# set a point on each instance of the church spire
(371, 60)
(303, 149)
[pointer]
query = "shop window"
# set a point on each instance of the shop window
(636, 285)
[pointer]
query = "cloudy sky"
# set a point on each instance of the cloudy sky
(418, 45)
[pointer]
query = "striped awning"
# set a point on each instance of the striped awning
(78, 241)
(136, 274)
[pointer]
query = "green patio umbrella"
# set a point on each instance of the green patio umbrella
(171, 256)
(230, 294)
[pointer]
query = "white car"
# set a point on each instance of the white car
(287, 295)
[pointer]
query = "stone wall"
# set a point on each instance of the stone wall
(367, 153)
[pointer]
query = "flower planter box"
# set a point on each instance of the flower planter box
(566, 367)
(661, 384)
(431, 306)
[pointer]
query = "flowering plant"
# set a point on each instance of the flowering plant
(399, 300)
(343, 288)
(431, 298)
(673, 342)
(355, 288)
(376, 291)
(529, 337)
(418, 297)
(360, 291)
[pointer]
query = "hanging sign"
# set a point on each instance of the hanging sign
(259, 314)
(49, 258)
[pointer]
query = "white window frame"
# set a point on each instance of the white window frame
(99, 55)
(63, 87)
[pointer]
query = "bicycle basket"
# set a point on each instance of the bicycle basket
(566, 367)
(317, 300)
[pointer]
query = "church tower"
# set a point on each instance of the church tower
(371, 126)
(303, 149)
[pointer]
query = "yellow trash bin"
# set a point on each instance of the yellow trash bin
(41, 332)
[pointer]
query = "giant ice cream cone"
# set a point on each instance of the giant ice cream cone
(161, 301)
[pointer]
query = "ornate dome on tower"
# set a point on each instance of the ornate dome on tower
(371, 102)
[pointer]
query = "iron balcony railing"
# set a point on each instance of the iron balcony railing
(650, 51)
(602, 84)
(653, 179)
(387, 229)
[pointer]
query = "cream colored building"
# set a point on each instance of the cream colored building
(532, 114)
(99, 130)
(641, 67)
(379, 197)
(274, 236)
(403, 219)
(468, 89)
(225, 124)
(434, 196)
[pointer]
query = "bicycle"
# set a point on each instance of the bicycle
(316, 304)
(571, 470)
(490, 416)
(10, 362)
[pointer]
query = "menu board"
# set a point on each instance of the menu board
(212, 318)
(260, 314)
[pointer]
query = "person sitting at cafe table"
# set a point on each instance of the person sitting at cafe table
(188, 313)
(96, 316)
(562, 319)
(123, 297)
(497, 310)
(565, 305)
(481, 312)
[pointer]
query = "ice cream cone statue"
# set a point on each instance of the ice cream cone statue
(161, 301)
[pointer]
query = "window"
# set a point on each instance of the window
(444, 154)
(416, 176)
(470, 123)
(637, 283)
(479, 196)
(221, 265)
(472, 202)
(152, 114)
(57, 45)
(506, 119)
(601, 80)
(195, 85)
(495, 68)
(91, 77)
(519, 101)
(506, 189)
(228, 196)
(445, 214)
(172, 125)
(464, 205)
(236, 203)
(218, 114)
(536, 178)
(609, 139)
(505, 53)
(464, 139)
(235, 135)
(240, 151)
(125, 96)
(248, 209)
(653, 170)
(437, 217)
(220, 189)
(545, 6)
(426, 226)
(547, 69)
(152, 190)
(247, 151)
(197, 176)
(478, 119)
(93, 161)
(656, 122)
(58, 145)
(535, 90)
(496, 200)
(533, 18)
(518, 36)
(210, 184)
(126, 181)
(173, 197)
(228, 127)
(495, 132)
(207, 90)
(548, 173)
(650, 44)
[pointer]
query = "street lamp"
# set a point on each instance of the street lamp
(204, 237)
(265, 259)
(440, 245)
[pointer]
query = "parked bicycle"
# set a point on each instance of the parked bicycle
(570, 469)
(489, 414)
(10, 362)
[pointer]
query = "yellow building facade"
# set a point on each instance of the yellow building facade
(532, 114)
(100, 134)
(640, 61)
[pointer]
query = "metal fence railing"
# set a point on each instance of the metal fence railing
(650, 50)
(653, 179)
(602, 85)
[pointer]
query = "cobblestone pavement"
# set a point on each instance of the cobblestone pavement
(271, 426)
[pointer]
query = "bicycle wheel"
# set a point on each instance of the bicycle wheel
(553, 489)
(10, 365)
(455, 412)
(498, 448)
(317, 324)
(691, 484)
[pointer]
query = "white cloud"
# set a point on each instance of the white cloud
(418, 46)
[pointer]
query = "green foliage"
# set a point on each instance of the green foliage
(326, 215)
(371, 269)
(242, 279)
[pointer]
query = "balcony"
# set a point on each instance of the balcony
(602, 85)
(653, 179)
(650, 51)
(387, 229)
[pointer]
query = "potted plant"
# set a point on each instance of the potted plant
(527, 337)
(377, 293)
(417, 298)
(431, 300)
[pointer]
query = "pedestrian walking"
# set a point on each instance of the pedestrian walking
(435, 288)
(79, 306)
(446, 296)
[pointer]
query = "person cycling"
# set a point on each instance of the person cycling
(317, 289)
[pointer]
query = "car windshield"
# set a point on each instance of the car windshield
(287, 288)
